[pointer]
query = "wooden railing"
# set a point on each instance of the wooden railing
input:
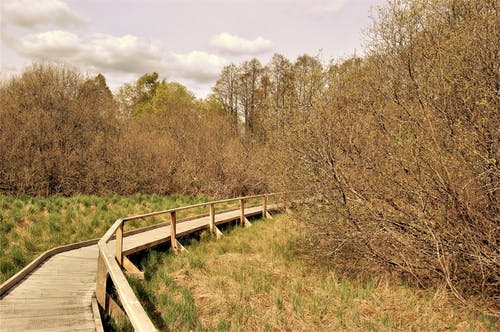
(110, 262)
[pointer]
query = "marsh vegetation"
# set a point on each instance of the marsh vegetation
(400, 148)
(260, 279)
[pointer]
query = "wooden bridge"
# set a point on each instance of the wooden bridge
(63, 288)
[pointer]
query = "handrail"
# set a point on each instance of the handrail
(181, 208)
(110, 263)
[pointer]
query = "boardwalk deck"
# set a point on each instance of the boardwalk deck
(57, 295)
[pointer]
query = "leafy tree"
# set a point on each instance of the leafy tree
(135, 98)
(172, 97)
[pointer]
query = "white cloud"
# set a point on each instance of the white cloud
(126, 54)
(326, 7)
(198, 66)
(123, 54)
(52, 44)
(30, 13)
(234, 45)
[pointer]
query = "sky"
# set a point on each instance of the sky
(188, 41)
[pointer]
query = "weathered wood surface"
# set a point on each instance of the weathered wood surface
(57, 295)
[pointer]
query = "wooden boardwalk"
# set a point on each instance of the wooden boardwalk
(58, 294)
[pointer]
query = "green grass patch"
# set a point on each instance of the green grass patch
(32, 225)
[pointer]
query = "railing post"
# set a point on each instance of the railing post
(242, 213)
(173, 240)
(264, 207)
(100, 280)
(119, 244)
(212, 220)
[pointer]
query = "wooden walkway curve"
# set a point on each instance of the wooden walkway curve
(58, 294)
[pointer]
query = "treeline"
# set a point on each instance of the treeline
(63, 133)
(400, 146)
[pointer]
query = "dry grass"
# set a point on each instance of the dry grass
(256, 279)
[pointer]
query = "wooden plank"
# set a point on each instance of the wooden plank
(135, 312)
(34, 301)
(12, 281)
(41, 311)
(129, 266)
(72, 323)
(101, 278)
(131, 269)
(111, 231)
(97, 316)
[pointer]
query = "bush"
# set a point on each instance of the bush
(403, 150)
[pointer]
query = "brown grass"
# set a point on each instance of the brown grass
(256, 279)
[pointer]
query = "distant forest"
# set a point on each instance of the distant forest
(401, 146)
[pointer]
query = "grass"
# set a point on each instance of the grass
(31, 225)
(257, 279)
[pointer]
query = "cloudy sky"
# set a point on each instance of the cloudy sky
(188, 41)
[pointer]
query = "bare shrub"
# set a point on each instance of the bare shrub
(56, 130)
(403, 149)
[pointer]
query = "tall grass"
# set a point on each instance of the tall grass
(31, 225)
(258, 279)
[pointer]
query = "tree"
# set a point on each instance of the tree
(249, 91)
(308, 81)
(172, 97)
(226, 90)
(281, 78)
(135, 98)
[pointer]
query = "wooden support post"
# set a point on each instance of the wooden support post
(131, 269)
(214, 231)
(114, 310)
(173, 227)
(212, 219)
(242, 212)
(218, 233)
(266, 213)
(287, 207)
(119, 244)
(264, 207)
(101, 279)
(176, 246)
(243, 220)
